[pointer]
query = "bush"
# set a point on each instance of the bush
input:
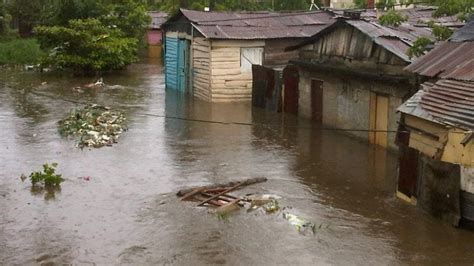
(441, 32)
(419, 47)
(20, 51)
(48, 177)
(392, 18)
(86, 46)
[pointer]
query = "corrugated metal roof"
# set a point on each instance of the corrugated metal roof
(451, 60)
(258, 25)
(157, 19)
(418, 16)
(395, 39)
(447, 102)
(465, 34)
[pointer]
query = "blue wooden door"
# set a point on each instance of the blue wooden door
(171, 63)
(183, 65)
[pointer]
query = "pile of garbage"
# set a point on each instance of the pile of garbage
(95, 126)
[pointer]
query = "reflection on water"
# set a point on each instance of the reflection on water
(126, 212)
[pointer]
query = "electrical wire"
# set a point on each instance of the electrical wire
(244, 123)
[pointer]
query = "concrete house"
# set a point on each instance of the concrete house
(351, 74)
(210, 54)
(436, 131)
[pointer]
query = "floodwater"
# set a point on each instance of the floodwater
(127, 212)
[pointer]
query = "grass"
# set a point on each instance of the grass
(19, 51)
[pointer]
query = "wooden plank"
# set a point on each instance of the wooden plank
(192, 193)
(232, 91)
(427, 126)
(237, 83)
(216, 203)
(247, 182)
(231, 43)
(225, 72)
(221, 193)
(426, 140)
(428, 150)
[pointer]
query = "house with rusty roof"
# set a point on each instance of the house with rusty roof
(436, 131)
(210, 54)
(351, 75)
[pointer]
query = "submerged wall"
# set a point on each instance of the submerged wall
(347, 102)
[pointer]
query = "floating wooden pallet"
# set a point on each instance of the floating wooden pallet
(217, 195)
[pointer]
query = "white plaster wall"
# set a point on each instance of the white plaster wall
(467, 179)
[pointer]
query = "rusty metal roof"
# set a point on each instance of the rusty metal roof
(447, 102)
(395, 39)
(157, 19)
(258, 25)
(451, 60)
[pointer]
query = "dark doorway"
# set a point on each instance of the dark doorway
(408, 171)
(317, 100)
(291, 81)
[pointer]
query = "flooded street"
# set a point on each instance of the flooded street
(128, 212)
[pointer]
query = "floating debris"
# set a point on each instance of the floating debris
(95, 125)
(96, 85)
(217, 196)
(300, 224)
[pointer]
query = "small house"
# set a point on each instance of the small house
(352, 77)
(154, 35)
(210, 54)
(436, 168)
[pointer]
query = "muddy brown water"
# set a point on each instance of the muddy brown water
(127, 211)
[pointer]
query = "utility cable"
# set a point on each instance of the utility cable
(244, 123)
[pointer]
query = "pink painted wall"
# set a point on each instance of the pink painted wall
(154, 37)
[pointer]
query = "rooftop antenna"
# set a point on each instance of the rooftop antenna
(313, 5)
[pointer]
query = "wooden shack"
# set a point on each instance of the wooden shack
(210, 54)
(436, 131)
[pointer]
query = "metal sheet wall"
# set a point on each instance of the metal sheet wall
(171, 63)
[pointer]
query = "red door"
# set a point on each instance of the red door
(317, 100)
(291, 80)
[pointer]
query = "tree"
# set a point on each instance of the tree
(128, 16)
(86, 46)
(5, 19)
(461, 8)
(27, 13)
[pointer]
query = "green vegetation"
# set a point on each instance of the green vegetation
(441, 32)
(392, 18)
(26, 12)
(420, 47)
(86, 46)
(47, 177)
(5, 20)
(227, 5)
(461, 8)
(110, 41)
(20, 51)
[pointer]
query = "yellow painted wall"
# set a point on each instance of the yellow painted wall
(455, 152)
